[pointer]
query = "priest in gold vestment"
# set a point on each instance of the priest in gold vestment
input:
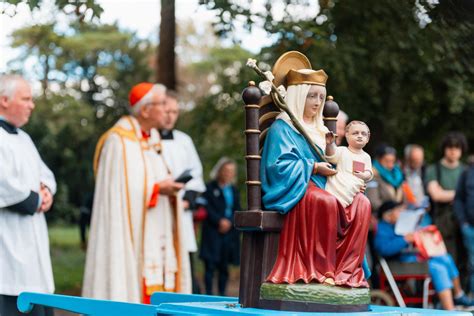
(136, 240)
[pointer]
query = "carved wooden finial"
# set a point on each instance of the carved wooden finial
(331, 108)
(252, 94)
(330, 112)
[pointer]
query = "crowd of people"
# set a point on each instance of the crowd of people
(149, 187)
(441, 190)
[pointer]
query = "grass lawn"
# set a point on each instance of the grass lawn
(68, 261)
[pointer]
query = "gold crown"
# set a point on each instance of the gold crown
(306, 76)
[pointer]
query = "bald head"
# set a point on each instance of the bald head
(16, 100)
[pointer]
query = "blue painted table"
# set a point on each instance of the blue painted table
(182, 304)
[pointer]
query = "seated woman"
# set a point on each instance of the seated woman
(321, 241)
(443, 270)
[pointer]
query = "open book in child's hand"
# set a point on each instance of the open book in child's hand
(358, 166)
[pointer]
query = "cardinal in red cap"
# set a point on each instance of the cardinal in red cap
(142, 93)
(136, 239)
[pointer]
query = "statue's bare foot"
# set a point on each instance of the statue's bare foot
(330, 281)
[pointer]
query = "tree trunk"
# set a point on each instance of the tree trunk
(44, 81)
(166, 66)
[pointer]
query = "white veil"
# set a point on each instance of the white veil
(295, 100)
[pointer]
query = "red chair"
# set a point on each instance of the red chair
(395, 271)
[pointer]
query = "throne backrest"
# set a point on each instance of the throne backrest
(268, 112)
(261, 229)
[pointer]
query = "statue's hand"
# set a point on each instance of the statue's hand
(330, 137)
(365, 176)
(363, 187)
(325, 169)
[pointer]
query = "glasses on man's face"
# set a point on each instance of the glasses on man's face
(156, 103)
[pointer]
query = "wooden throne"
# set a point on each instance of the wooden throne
(261, 228)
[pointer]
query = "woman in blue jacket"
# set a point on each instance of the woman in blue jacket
(443, 271)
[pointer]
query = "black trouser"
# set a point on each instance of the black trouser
(196, 286)
(223, 270)
(8, 308)
(84, 221)
(447, 224)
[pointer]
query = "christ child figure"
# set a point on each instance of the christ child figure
(353, 164)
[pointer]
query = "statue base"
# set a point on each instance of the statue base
(314, 297)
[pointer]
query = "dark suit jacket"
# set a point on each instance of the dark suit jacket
(217, 247)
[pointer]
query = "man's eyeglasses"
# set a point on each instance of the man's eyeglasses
(156, 103)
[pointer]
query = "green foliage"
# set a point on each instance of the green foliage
(85, 79)
(65, 130)
(217, 121)
(410, 80)
(96, 60)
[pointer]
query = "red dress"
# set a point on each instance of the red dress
(320, 239)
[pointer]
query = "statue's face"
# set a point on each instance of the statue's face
(314, 101)
(357, 136)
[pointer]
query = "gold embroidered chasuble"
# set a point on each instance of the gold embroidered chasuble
(132, 245)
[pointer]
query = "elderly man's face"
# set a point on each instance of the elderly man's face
(156, 109)
(417, 158)
(17, 108)
(172, 113)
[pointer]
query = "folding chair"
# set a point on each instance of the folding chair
(394, 271)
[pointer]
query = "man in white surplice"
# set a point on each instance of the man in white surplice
(181, 155)
(26, 193)
(136, 237)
